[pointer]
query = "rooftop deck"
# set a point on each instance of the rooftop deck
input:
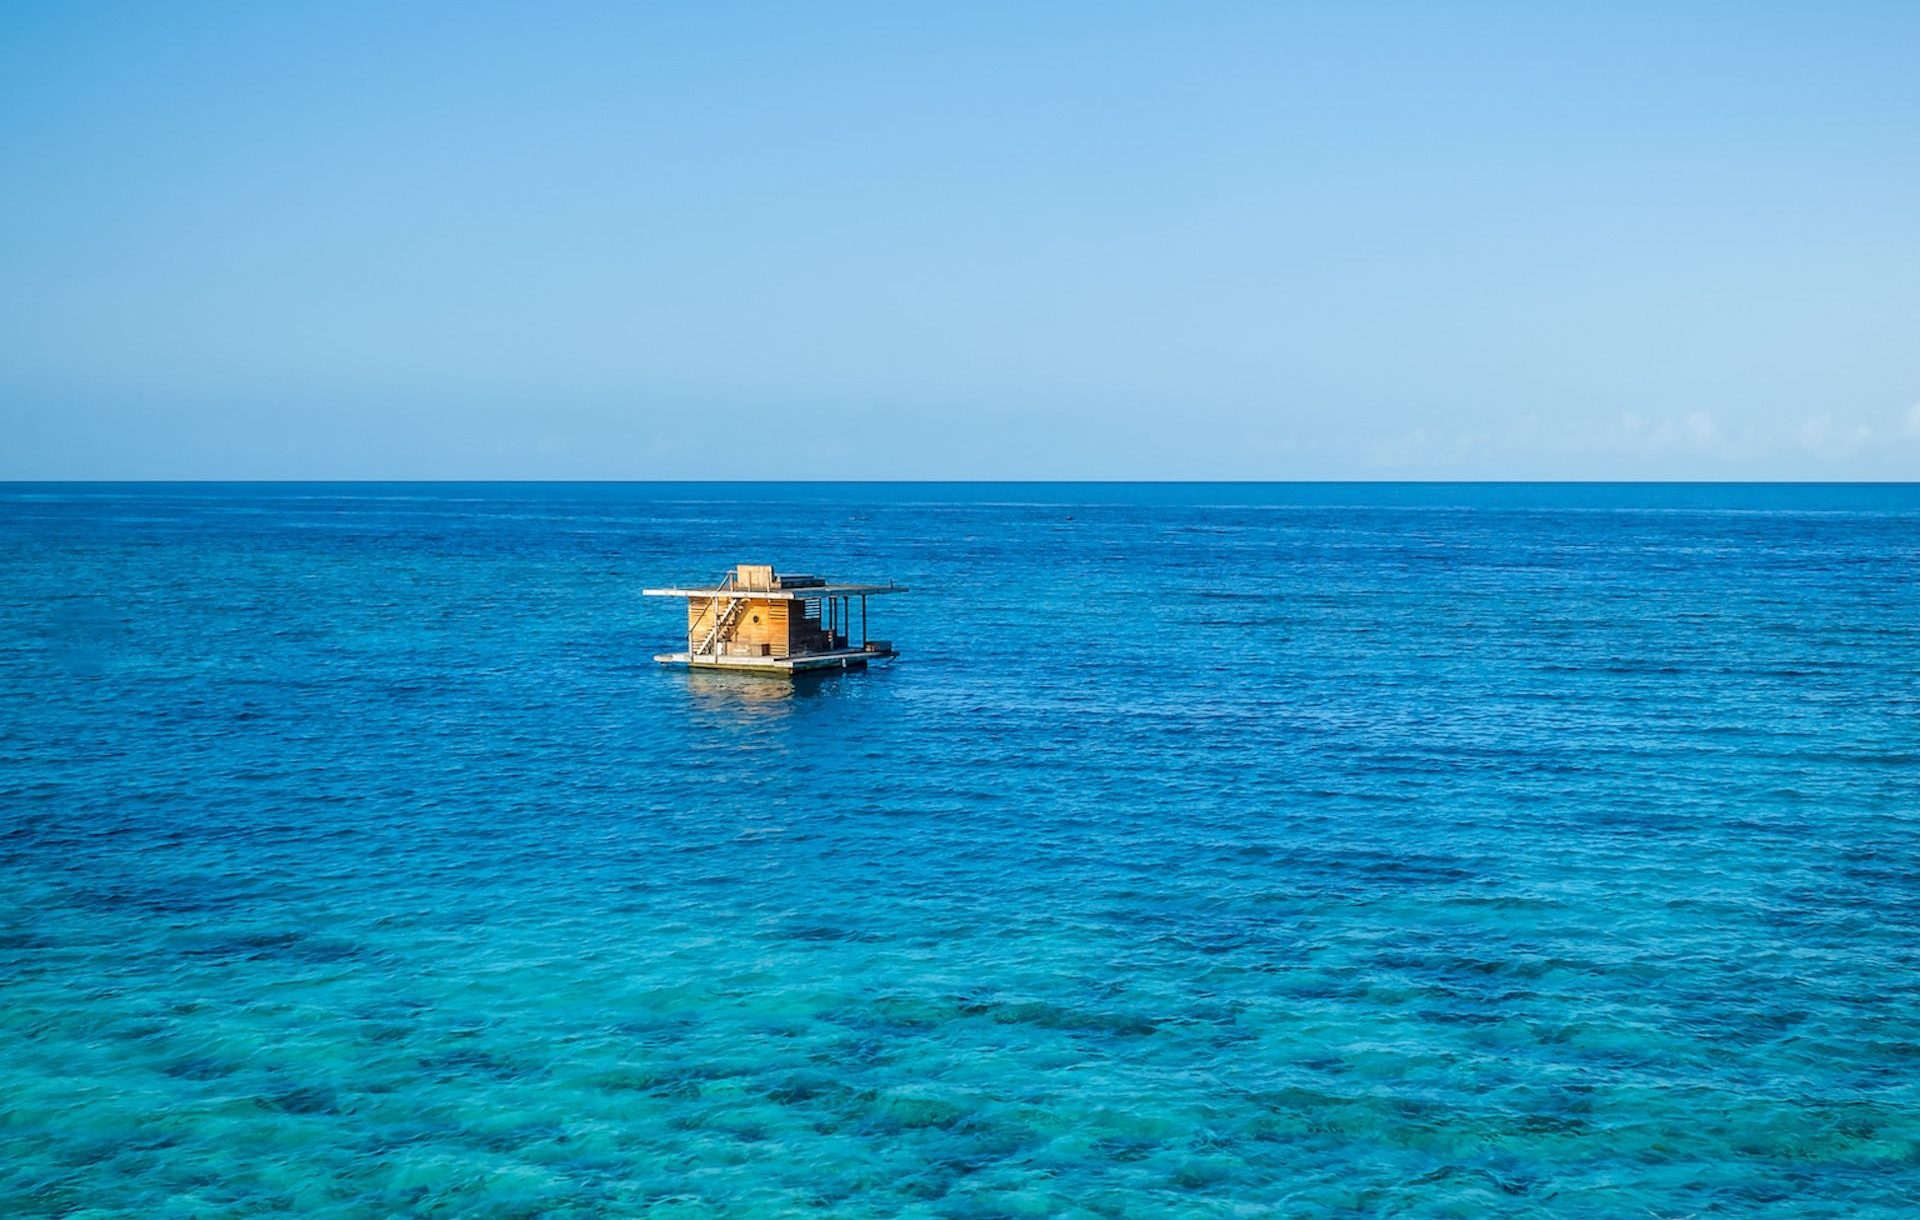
(800, 593)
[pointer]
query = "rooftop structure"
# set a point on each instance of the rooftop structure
(756, 619)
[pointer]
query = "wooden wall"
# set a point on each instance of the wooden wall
(770, 629)
(807, 634)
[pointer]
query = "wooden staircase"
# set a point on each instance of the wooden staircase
(722, 622)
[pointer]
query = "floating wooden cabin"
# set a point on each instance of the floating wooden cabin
(757, 620)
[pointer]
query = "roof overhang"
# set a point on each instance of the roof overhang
(814, 593)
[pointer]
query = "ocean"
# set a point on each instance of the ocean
(1212, 850)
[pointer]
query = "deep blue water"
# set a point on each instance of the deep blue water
(1212, 850)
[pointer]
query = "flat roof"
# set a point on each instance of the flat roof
(804, 594)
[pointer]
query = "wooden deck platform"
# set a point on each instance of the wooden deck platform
(843, 658)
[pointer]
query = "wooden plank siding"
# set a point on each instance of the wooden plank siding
(806, 632)
(761, 621)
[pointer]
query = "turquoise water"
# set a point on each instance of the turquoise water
(1212, 851)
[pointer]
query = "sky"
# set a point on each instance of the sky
(971, 241)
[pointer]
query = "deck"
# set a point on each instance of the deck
(839, 658)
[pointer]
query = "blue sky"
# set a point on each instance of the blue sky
(970, 241)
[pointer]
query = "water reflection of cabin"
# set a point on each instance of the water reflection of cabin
(755, 619)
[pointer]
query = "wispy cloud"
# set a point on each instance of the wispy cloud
(1831, 441)
(1692, 440)
(1628, 435)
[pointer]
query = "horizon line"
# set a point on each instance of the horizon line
(454, 482)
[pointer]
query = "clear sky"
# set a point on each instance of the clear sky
(1036, 240)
